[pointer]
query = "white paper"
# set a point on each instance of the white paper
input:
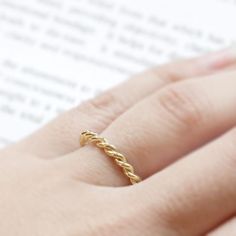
(56, 53)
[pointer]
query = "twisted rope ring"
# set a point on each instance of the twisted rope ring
(87, 137)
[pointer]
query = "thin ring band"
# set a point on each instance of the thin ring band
(87, 137)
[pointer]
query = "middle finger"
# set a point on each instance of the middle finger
(60, 136)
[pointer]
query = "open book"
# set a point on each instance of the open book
(56, 53)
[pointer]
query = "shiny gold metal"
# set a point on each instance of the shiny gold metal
(87, 137)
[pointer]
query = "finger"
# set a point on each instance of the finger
(162, 128)
(227, 228)
(61, 135)
(197, 193)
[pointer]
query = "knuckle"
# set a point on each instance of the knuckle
(104, 101)
(100, 103)
(168, 73)
(182, 103)
(105, 107)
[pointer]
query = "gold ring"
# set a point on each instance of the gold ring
(87, 137)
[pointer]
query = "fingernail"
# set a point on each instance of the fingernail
(219, 60)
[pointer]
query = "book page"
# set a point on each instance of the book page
(56, 53)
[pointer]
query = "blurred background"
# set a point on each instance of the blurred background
(56, 53)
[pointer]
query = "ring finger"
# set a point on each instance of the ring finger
(162, 128)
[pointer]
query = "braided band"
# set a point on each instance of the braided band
(87, 137)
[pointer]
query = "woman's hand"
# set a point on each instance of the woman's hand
(186, 110)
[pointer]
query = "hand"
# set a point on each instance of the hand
(174, 123)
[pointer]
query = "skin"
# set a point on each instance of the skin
(176, 125)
